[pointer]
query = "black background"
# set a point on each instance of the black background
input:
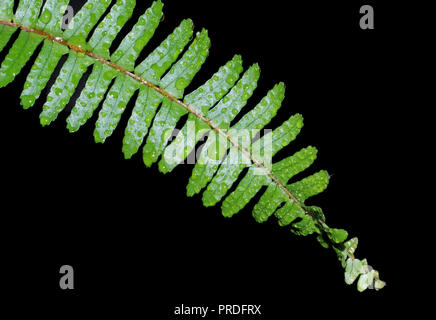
(138, 244)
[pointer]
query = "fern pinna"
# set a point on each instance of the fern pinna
(161, 80)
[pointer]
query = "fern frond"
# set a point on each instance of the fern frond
(161, 80)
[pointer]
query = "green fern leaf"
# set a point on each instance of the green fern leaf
(49, 55)
(23, 48)
(202, 100)
(161, 81)
(124, 86)
(252, 183)
(6, 14)
(102, 75)
(149, 100)
(222, 115)
(175, 83)
(77, 63)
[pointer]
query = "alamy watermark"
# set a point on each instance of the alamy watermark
(367, 20)
(66, 282)
(236, 147)
(67, 19)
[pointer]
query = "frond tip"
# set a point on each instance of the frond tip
(161, 81)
